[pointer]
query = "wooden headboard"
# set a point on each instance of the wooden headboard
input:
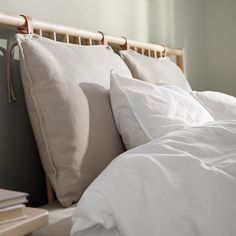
(67, 34)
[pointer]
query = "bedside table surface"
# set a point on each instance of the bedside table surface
(35, 219)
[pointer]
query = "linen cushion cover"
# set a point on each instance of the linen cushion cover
(67, 94)
(221, 106)
(144, 111)
(154, 70)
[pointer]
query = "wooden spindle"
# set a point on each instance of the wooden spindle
(50, 192)
(90, 42)
(76, 40)
(180, 61)
(52, 35)
(155, 54)
(38, 32)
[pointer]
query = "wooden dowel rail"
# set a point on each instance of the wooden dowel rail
(18, 21)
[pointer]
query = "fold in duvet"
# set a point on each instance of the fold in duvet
(182, 184)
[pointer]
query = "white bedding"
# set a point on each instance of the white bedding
(183, 184)
(144, 111)
(220, 105)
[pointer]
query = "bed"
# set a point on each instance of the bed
(144, 156)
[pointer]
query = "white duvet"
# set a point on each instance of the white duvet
(182, 184)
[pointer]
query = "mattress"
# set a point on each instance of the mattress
(60, 222)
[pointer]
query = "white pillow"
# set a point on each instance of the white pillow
(144, 111)
(221, 106)
(155, 70)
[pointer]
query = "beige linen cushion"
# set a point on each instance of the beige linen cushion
(67, 94)
(155, 70)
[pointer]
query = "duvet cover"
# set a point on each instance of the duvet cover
(182, 184)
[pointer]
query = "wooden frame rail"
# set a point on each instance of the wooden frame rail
(79, 36)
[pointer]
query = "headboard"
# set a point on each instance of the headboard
(82, 37)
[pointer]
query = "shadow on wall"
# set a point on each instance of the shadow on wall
(181, 24)
(115, 17)
(20, 167)
(221, 49)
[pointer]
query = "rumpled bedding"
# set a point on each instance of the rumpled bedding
(182, 184)
(221, 106)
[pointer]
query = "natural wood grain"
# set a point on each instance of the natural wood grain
(35, 219)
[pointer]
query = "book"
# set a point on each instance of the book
(13, 213)
(10, 208)
(10, 198)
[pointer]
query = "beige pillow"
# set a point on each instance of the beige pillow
(67, 94)
(155, 70)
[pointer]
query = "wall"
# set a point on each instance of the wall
(116, 17)
(20, 167)
(221, 45)
(206, 30)
(181, 24)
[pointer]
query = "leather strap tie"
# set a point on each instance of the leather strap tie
(27, 28)
(126, 45)
(103, 40)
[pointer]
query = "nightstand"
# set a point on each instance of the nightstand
(36, 218)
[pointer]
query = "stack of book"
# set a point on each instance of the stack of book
(12, 205)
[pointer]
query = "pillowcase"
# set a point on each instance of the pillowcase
(144, 111)
(155, 70)
(221, 106)
(67, 94)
